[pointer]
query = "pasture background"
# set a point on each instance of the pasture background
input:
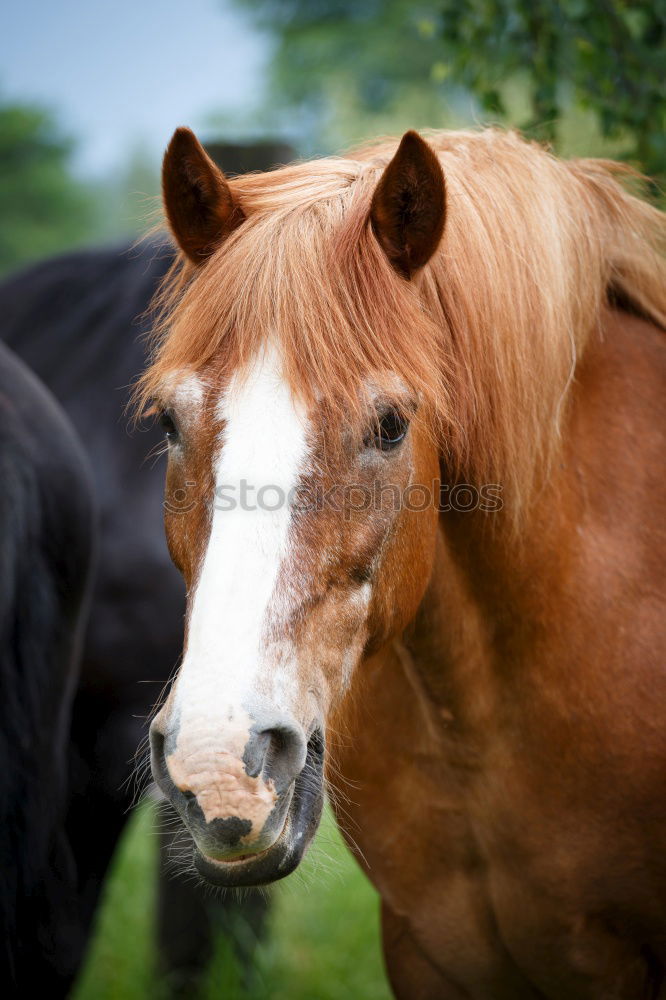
(322, 941)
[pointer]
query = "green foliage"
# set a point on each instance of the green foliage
(345, 40)
(128, 199)
(606, 56)
(120, 963)
(43, 209)
(323, 940)
(344, 70)
(610, 53)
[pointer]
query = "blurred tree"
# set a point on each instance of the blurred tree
(607, 55)
(43, 209)
(346, 69)
(610, 53)
(128, 201)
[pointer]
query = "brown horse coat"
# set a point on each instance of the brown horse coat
(486, 686)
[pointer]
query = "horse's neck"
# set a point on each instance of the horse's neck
(542, 607)
(521, 652)
(543, 614)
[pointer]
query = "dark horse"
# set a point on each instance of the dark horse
(46, 540)
(76, 321)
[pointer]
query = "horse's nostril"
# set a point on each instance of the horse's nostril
(256, 753)
(175, 793)
(158, 759)
(278, 754)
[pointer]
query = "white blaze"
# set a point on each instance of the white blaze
(263, 446)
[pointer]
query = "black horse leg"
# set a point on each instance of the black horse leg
(104, 739)
(190, 920)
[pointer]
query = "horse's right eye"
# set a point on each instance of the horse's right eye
(168, 425)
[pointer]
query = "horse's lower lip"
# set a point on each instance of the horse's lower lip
(249, 869)
(239, 859)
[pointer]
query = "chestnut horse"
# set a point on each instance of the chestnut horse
(343, 345)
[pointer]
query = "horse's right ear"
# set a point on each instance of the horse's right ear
(197, 198)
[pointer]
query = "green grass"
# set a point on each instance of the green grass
(322, 943)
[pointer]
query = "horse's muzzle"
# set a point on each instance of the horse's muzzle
(251, 819)
(284, 856)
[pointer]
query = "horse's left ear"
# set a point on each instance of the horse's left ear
(197, 198)
(409, 205)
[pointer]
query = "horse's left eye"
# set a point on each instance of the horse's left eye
(391, 430)
(168, 425)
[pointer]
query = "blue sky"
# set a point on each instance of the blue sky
(124, 73)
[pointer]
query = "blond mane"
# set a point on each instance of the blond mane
(488, 334)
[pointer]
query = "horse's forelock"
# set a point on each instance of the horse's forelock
(488, 333)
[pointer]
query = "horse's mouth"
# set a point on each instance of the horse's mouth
(286, 853)
(267, 866)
